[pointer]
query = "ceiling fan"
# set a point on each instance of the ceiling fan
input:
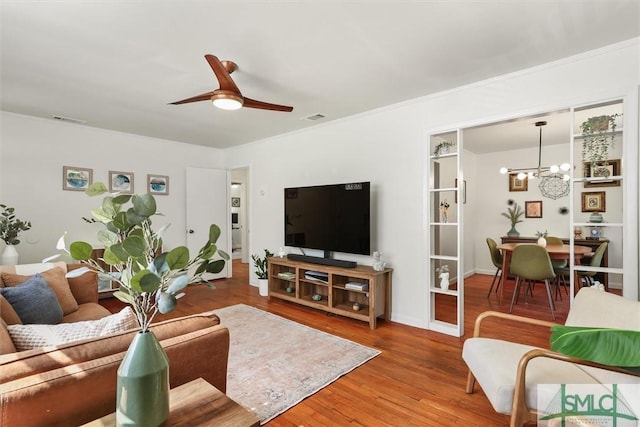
(228, 96)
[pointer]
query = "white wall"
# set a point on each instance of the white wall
(388, 148)
(34, 150)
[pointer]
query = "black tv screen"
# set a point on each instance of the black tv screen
(333, 218)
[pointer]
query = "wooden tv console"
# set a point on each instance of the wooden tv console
(332, 296)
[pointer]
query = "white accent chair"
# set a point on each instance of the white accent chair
(509, 372)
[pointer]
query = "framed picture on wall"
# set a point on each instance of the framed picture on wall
(235, 202)
(594, 201)
(121, 182)
(533, 209)
(603, 169)
(76, 179)
(517, 184)
(158, 185)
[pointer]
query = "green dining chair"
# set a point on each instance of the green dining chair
(558, 264)
(595, 261)
(532, 262)
(496, 259)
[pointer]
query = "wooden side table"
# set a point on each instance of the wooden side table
(197, 403)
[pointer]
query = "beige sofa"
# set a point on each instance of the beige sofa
(74, 383)
(509, 373)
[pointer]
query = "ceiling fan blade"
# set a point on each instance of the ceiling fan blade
(252, 103)
(225, 80)
(203, 97)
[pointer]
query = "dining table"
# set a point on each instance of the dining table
(554, 251)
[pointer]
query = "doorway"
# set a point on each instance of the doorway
(240, 214)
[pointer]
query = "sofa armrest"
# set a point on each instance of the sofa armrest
(30, 362)
(80, 393)
(521, 413)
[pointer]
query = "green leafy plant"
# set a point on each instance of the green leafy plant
(261, 264)
(544, 233)
(614, 347)
(150, 280)
(10, 226)
(597, 137)
(441, 146)
(513, 213)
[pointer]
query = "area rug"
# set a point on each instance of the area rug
(275, 363)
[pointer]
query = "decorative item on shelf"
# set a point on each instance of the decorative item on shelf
(443, 147)
(356, 306)
(514, 213)
(10, 228)
(598, 135)
(150, 281)
(378, 263)
(542, 241)
(444, 277)
(444, 207)
(596, 217)
(316, 297)
(595, 233)
(262, 272)
(282, 252)
(289, 289)
(577, 233)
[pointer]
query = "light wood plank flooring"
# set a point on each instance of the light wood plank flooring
(418, 380)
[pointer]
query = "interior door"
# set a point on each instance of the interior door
(207, 200)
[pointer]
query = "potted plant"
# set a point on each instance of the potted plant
(10, 228)
(513, 213)
(261, 271)
(542, 238)
(443, 148)
(151, 281)
(598, 135)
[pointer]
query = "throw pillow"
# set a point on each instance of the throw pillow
(55, 278)
(26, 337)
(34, 301)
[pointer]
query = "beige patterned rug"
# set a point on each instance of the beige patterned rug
(275, 363)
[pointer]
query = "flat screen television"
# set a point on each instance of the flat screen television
(332, 218)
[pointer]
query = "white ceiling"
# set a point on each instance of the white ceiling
(117, 64)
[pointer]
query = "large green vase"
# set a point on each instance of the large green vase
(143, 383)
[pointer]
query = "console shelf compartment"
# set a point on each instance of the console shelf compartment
(335, 297)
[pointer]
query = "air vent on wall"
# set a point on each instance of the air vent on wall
(69, 119)
(314, 117)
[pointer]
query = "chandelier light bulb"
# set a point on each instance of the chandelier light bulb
(565, 167)
(554, 169)
(503, 170)
(522, 175)
(566, 177)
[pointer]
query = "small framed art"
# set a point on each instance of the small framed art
(517, 184)
(594, 201)
(158, 184)
(533, 209)
(602, 170)
(235, 202)
(76, 179)
(121, 182)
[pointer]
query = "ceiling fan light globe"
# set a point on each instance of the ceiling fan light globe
(226, 100)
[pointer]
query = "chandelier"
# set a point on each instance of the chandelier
(553, 183)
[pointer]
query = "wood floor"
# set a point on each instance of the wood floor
(418, 380)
